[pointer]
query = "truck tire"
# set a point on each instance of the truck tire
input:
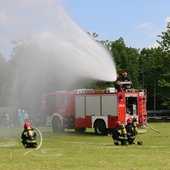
(80, 130)
(100, 128)
(56, 125)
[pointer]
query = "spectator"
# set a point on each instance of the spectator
(7, 120)
(19, 117)
(26, 117)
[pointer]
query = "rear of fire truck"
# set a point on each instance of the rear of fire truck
(133, 104)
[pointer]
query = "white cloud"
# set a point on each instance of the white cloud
(155, 33)
(144, 25)
(155, 45)
(167, 19)
(159, 32)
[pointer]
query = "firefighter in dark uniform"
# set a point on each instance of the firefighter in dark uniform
(28, 136)
(132, 131)
(125, 78)
(117, 83)
(119, 134)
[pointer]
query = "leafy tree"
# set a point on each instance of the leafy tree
(165, 39)
(164, 82)
(126, 59)
(151, 63)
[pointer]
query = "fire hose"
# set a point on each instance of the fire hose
(155, 129)
(41, 139)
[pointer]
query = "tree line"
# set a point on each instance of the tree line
(148, 68)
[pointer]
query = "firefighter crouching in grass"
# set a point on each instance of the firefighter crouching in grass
(132, 131)
(119, 134)
(28, 136)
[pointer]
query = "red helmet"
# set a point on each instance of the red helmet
(129, 120)
(118, 123)
(27, 124)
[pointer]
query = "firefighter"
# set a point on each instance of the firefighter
(118, 84)
(132, 131)
(119, 134)
(28, 136)
(125, 78)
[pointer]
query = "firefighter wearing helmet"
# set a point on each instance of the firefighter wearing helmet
(28, 136)
(132, 131)
(117, 83)
(119, 134)
(125, 78)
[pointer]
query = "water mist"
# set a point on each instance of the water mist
(61, 46)
(55, 49)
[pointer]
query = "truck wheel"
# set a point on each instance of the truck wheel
(80, 130)
(56, 125)
(100, 128)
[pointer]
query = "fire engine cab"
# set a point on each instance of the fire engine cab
(99, 109)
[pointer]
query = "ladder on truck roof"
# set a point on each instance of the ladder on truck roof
(94, 91)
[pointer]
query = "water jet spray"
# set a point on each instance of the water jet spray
(59, 47)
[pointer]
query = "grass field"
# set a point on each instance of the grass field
(85, 151)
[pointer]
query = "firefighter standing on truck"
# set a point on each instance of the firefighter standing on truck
(132, 131)
(28, 136)
(125, 78)
(117, 83)
(119, 134)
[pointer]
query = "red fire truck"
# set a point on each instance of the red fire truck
(99, 109)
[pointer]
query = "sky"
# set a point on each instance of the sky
(138, 22)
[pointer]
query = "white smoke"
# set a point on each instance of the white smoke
(57, 45)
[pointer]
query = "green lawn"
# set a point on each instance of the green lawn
(85, 151)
